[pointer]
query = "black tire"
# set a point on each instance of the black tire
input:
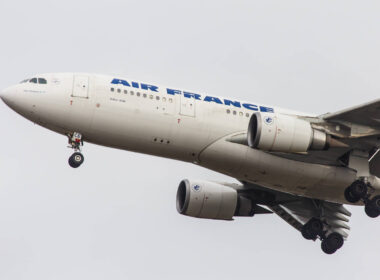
(316, 226)
(359, 189)
(375, 202)
(326, 248)
(72, 163)
(371, 211)
(350, 197)
(332, 243)
(312, 229)
(306, 233)
(76, 160)
(335, 240)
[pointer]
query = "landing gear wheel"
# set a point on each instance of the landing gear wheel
(375, 201)
(336, 240)
(332, 243)
(326, 248)
(316, 226)
(372, 208)
(312, 229)
(371, 211)
(350, 197)
(359, 189)
(76, 160)
(306, 233)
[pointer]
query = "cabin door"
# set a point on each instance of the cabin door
(187, 106)
(80, 86)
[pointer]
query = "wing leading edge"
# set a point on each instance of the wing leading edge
(367, 114)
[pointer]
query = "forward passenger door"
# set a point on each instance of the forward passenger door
(80, 86)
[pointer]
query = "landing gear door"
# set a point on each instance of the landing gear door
(187, 106)
(80, 86)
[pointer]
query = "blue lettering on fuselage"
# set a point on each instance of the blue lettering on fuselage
(250, 107)
(134, 84)
(149, 87)
(196, 96)
(233, 103)
(173, 91)
(192, 95)
(213, 99)
(120, 82)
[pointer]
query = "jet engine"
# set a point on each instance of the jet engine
(201, 199)
(284, 133)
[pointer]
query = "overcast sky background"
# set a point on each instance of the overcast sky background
(115, 217)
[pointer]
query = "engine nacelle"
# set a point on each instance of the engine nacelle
(283, 133)
(201, 199)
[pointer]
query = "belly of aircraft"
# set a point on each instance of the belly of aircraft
(264, 169)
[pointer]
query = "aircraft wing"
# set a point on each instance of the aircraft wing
(358, 128)
(367, 114)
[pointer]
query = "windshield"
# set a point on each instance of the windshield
(41, 81)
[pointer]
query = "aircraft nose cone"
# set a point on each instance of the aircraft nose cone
(6, 95)
(3, 94)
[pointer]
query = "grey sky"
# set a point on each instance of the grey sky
(115, 217)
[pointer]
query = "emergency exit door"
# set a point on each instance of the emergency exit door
(80, 87)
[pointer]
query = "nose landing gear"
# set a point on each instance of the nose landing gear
(76, 160)
(361, 191)
(75, 142)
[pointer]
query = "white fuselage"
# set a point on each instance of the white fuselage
(171, 123)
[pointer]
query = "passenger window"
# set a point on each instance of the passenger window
(151, 96)
(228, 111)
(118, 90)
(247, 115)
(164, 99)
(125, 91)
(170, 100)
(42, 81)
(132, 93)
(234, 112)
(33, 81)
(138, 94)
(112, 89)
(157, 97)
(240, 114)
(144, 95)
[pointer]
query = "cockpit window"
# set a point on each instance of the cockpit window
(42, 81)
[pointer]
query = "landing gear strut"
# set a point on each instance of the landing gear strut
(75, 142)
(360, 191)
(314, 229)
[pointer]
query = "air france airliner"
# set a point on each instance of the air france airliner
(302, 167)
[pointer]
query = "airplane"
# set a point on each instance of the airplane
(300, 166)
